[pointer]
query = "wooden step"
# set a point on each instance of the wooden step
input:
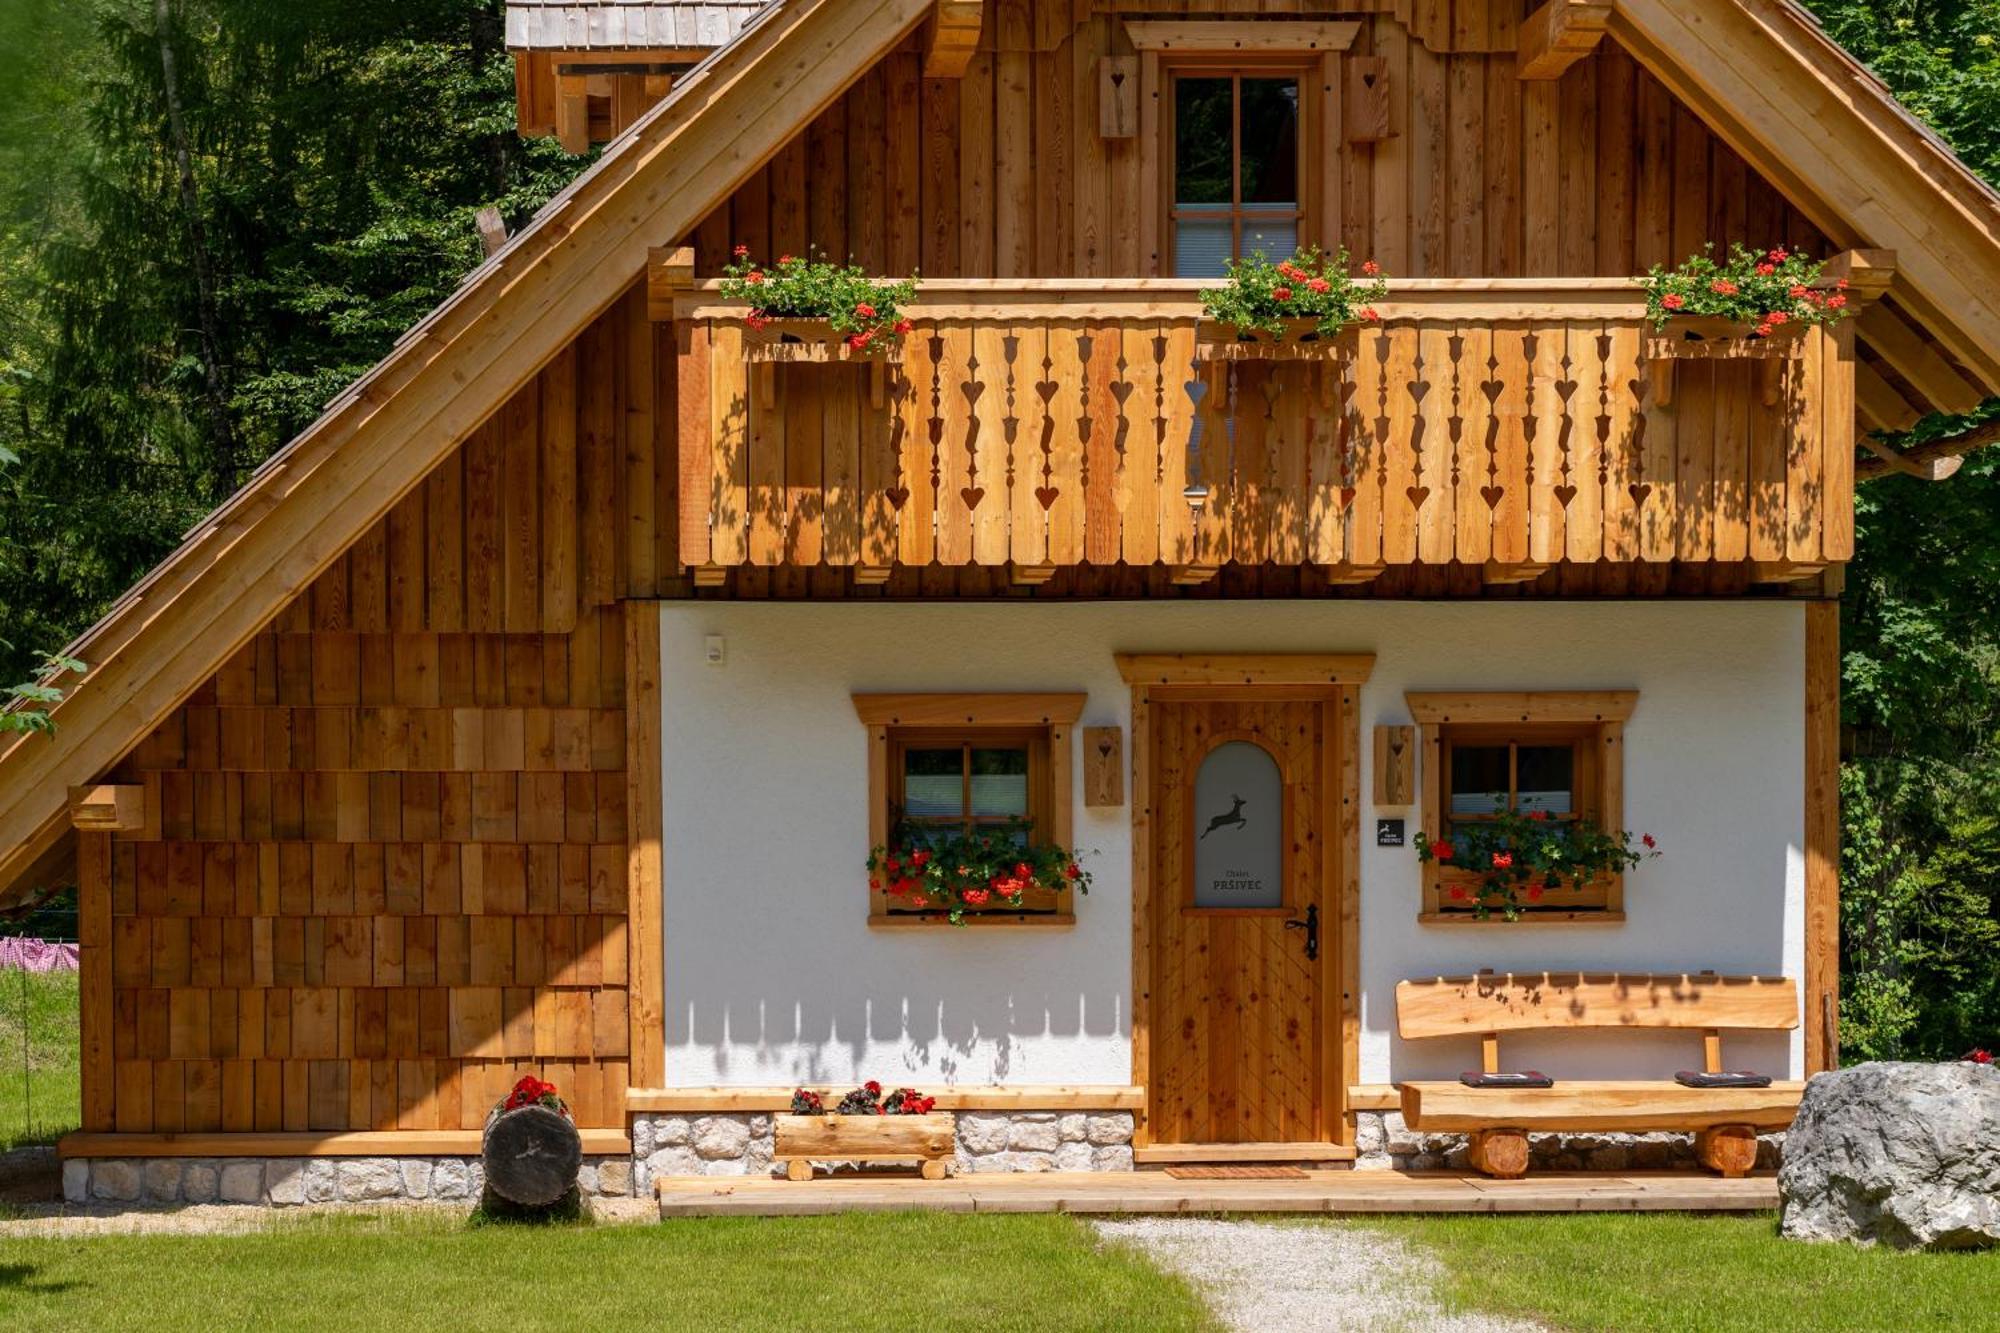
(1160, 1154)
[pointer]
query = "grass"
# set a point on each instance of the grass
(40, 1092)
(861, 1271)
(1676, 1271)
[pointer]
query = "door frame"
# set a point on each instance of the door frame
(1268, 676)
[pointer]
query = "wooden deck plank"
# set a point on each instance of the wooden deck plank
(1329, 1191)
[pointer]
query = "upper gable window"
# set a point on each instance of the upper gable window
(1236, 168)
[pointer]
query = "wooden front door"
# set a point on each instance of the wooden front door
(1246, 937)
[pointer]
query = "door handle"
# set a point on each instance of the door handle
(1310, 925)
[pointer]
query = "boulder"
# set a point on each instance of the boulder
(1904, 1154)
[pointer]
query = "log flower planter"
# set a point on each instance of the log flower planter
(531, 1153)
(1297, 340)
(927, 1140)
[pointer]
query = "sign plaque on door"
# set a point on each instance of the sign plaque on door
(1388, 833)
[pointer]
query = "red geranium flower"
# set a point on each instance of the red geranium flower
(1673, 300)
(740, 251)
(1371, 269)
(1442, 849)
(1647, 838)
(1723, 287)
(1503, 860)
(864, 310)
(1281, 293)
(1371, 315)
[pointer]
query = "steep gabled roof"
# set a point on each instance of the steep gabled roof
(378, 440)
(616, 25)
(1759, 71)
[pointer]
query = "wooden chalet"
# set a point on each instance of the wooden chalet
(536, 709)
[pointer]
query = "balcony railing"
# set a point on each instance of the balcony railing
(1510, 424)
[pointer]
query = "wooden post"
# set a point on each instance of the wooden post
(1822, 908)
(645, 872)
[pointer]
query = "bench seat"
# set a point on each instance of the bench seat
(1581, 1105)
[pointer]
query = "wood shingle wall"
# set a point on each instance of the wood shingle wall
(388, 873)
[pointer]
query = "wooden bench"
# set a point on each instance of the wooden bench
(1725, 1121)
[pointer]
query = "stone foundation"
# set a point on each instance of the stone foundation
(1383, 1142)
(742, 1144)
(289, 1181)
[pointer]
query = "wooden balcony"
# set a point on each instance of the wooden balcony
(1512, 424)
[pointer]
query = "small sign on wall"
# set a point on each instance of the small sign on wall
(1389, 833)
(1103, 767)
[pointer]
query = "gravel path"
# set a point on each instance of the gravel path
(1304, 1279)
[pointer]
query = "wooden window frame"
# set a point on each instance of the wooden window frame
(1303, 68)
(1045, 721)
(1591, 720)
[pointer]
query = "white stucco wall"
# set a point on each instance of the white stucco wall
(773, 975)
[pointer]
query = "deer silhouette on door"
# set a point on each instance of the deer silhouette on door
(1234, 819)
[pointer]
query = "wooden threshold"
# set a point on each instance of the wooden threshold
(1159, 1154)
(1048, 1097)
(1374, 1097)
(367, 1143)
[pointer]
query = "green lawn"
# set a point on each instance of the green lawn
(39, 1089)
(859, 1272)
(1674, 1271)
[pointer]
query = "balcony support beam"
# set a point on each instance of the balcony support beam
(1558, 35)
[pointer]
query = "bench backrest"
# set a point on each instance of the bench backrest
(1491, 1002)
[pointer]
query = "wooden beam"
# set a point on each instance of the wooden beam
(1926, 456)
(108, 809)
(1785, 571)
(1867, 273)
(1822, 816)
(711, 576)
(1513, 571)
(1932, 468)
(1031, 576)
(1344, 575)
(1188, 576)
(1436, 707)
(492, 230)
(378, 440)
(1880, 403)
(1910, 354)
(363, 1143)
(1557, 35)
(951, 38)
(1245, 668)
(956, 710)
(669, 273)
(645, 864)
(1226, 34)
(955, 1097)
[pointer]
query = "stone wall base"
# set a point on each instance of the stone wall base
(288, 1181)
(1383, 1142)
(741, 1144)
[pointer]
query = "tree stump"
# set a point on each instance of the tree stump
(532, 1156)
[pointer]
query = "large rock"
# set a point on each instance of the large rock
(1904, 1154)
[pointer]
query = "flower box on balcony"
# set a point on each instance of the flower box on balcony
(1705, 337)
(927, 1140)
(770, 343)
(1300, 341)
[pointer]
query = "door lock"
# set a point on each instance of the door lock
(1310, 925)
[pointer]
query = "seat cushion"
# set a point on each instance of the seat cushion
(1527, 1078)
(1700, 1078)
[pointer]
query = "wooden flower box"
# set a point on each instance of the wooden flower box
(792, 342)
(927, 1140)
(1707, 337)
(1300, 341)
(1712, 338)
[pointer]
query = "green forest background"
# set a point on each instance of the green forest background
(190, 266)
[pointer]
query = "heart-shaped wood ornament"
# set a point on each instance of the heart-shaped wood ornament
(898, 496)
(1640, 490)
(1492, 495)
(1418, 494)
(972, 495)
(1564, 494)
(1047, 495)
(1347, 497)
